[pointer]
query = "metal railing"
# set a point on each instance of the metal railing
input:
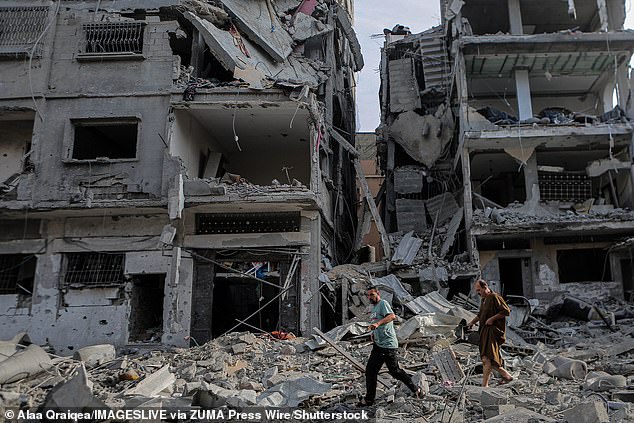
(20, 27)
(113, 37)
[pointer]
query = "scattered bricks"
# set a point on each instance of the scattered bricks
(288, 350)
(489, 398)
(553, 397)
(496, 410)
(587, 412)
(239, 348)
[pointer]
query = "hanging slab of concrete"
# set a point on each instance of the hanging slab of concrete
(599, 167)
(346, 26)
(423, 137)
(296, 71)
(262, 27)
(308, 27)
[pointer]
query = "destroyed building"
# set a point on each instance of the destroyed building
(168, 166)
(508, 127)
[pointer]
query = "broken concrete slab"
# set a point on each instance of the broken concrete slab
(75, 394)
(520, 415)
(410, 215)
(295, 71)
(293, 392)
(151, 385)
(423, 137)
(262, 26)
(345, 24)
(306, 27)
(425, 327)
(587, 412)
(26, 363)
(95, 355)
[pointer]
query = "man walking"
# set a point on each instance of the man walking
(384, 348)
(492, 318)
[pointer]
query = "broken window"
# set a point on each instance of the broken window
(15, 143)
(583, 265)
(105, 139)
(146, 308)
(93, 270)
(235, 223)
(113, 38)
(21, 28)
(17, 272)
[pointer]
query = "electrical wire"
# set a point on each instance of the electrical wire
(32, 53)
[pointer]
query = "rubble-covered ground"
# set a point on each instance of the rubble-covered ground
(565, 370)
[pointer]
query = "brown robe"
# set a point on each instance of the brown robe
(491, 337)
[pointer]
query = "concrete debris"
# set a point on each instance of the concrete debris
(24, 364)
(95, 355)
(270, 372)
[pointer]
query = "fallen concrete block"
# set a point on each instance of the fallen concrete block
(587, 412)
(76, 394)
(239, 348)
(566, 368)
(602, 381)
(242, 399)
(520, 415)
(158, 381)
(294, 391)
(95, 355)
(288, 350)
(489, 398)
(24, 364)
(497, 410)
(553, 397)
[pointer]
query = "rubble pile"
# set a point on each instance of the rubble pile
(586, 375)
(516, 214)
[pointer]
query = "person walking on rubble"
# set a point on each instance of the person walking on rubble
(492, 318)
(384, 349)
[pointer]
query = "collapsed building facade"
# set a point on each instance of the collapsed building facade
(168, 169)
(508, 128)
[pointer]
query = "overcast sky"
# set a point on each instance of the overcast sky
(371, 16)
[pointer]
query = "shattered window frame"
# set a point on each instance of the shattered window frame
(93, 270)
(12, 267)
(115, 40)
(71, 137)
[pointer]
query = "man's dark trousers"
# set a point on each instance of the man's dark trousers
(378, 356)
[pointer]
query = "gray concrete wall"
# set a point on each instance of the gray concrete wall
(70, 318)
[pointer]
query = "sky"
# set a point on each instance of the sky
(371, 16)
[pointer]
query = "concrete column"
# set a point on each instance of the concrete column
(515, 17)
(309, 296)
(531, 177)
(523, 91)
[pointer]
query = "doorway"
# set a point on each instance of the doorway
(146, 308)
(511, 276)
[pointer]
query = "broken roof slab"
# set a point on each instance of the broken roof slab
(622, 41)
(548, 136)
(582, 227)
(261, 26)
(295, 70)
